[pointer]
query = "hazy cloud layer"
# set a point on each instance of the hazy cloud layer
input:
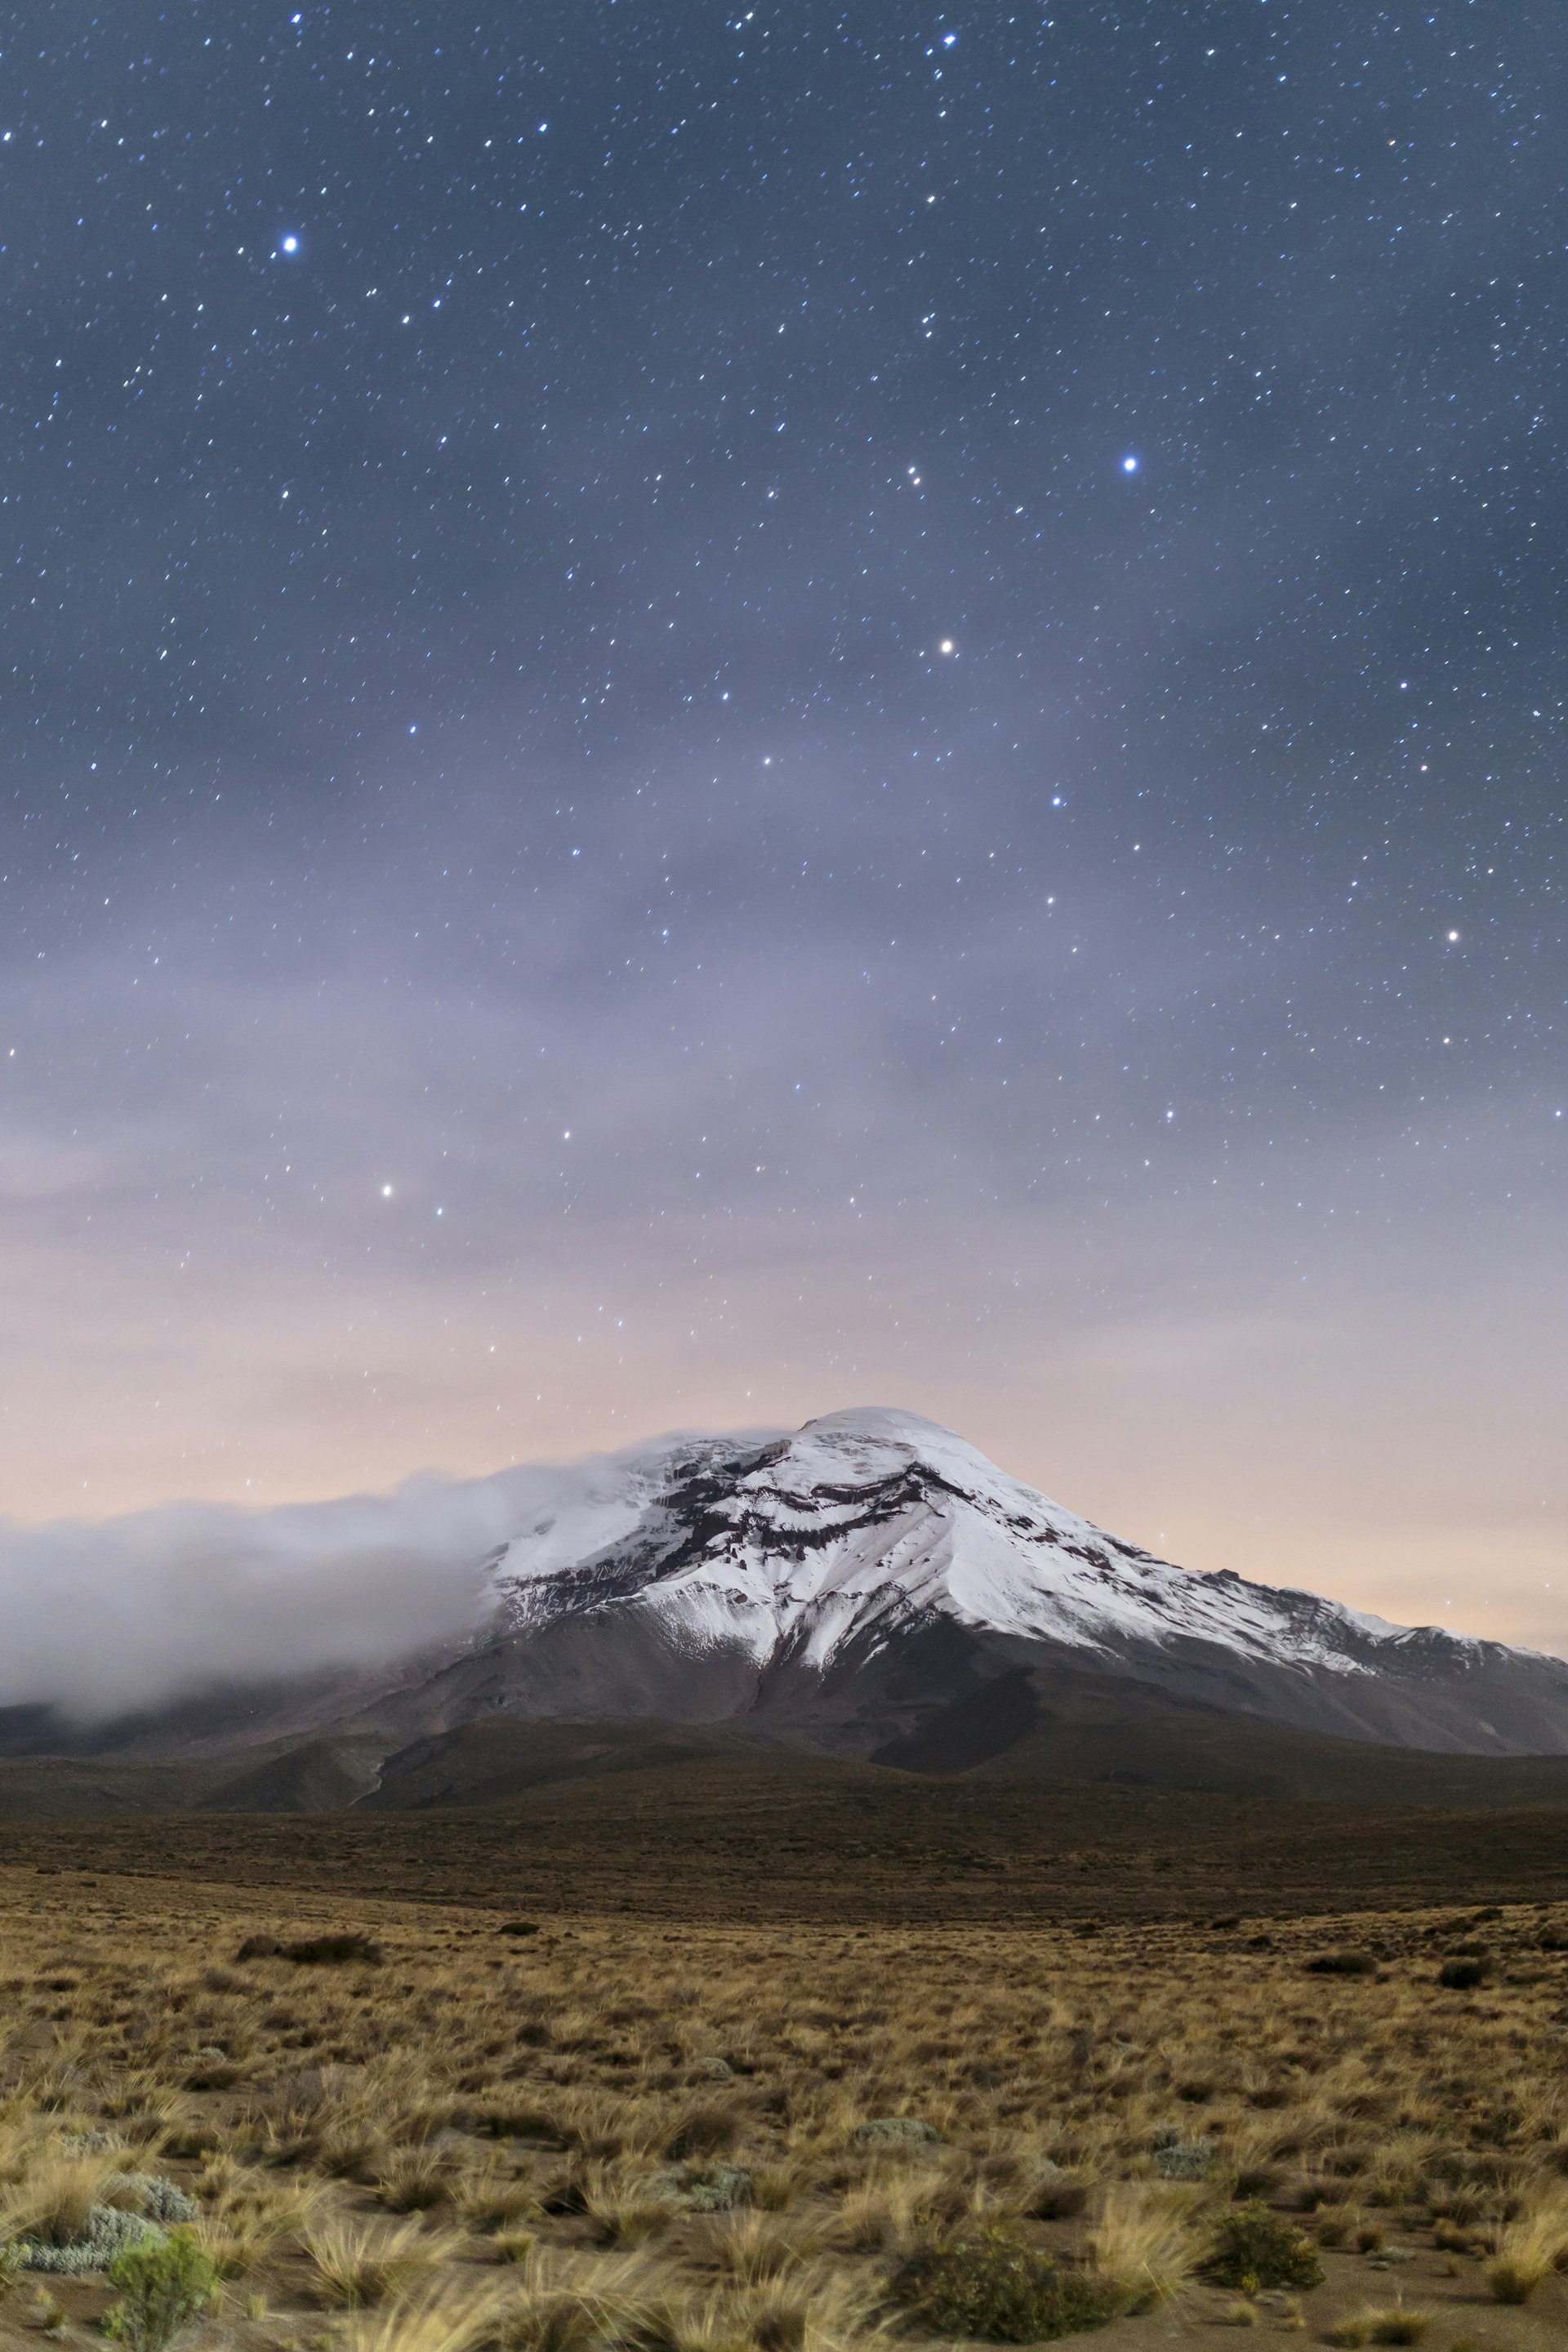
(159, 1605)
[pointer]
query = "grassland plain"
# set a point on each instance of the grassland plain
(798, 1837)
(420, 2126)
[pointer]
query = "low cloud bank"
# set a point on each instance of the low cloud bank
(100, 1620)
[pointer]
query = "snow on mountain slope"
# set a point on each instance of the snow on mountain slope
(868, 1522)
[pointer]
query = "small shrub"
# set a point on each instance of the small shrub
(333, 1951)
(995, 2286)
(164, 2283)
(518, 1928)
(1341, 1964)
(1176, 2158)
(713, 2187)
(150, 2194)
(1254, 2247)
(107, 2232)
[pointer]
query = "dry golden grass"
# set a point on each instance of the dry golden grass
(56, 2193)
(441, 2321)
(1143, 2238)
(359, 2264)
(1529, 2248)
(621, 2135)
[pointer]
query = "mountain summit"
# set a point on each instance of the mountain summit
(865, 1524)
(874, 1585)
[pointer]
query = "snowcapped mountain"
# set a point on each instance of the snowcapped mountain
(856, 1583)
(870, 1586)
(865, 1524)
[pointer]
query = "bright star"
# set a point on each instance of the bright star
(946, 645)
(1130, 464)
(290, 244)
(386, 1191)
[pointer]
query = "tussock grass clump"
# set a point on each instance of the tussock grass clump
(889, 2214)
(358, 2265)
(992, 2283)
(415, 2179)
(438, 2322)
(53, 2202)
(709, 2129)
(1393, 2325)
(1141, 2243)
(755, 2247)
(492, 2199)
(1528, 2249)
(620, 2204)
(623, 2311)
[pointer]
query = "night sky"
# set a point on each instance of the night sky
(711, 713)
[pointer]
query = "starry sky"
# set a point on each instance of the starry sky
(711, 712)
